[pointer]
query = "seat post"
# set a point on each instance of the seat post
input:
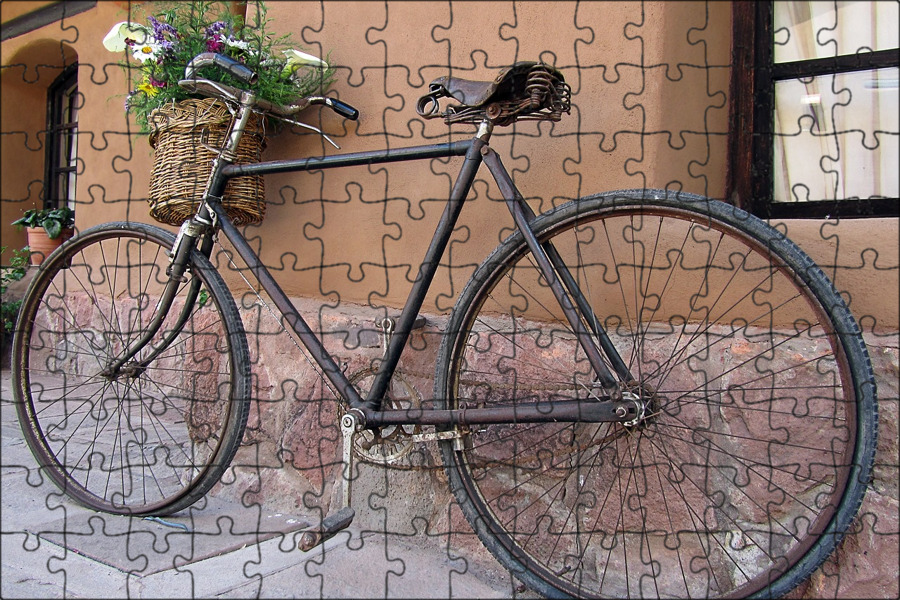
(485, 129)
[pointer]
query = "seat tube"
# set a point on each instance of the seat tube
(429, 267)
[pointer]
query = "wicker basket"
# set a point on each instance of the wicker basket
(181, 136)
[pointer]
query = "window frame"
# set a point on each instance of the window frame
(60, 134)
(754, 75)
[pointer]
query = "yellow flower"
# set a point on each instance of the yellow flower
(147, 88)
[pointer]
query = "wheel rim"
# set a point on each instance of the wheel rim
(679, 505)
(144, 442)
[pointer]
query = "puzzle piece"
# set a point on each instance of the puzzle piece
(651, 108)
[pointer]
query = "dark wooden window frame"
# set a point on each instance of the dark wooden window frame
(58, 140)
(42, 17)
(752, 114)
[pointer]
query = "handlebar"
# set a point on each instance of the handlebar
(246, 75)
(229, 65)
(342, 108)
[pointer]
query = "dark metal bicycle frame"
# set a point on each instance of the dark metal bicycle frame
(475, 152)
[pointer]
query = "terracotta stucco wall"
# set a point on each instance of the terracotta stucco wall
(385, 216)
(649, 81)
(111, 172)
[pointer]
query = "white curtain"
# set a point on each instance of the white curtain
(836, 135)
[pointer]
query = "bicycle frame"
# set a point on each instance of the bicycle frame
(369, 409)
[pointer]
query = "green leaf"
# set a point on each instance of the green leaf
(53, 228)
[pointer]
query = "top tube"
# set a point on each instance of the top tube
(349, 159)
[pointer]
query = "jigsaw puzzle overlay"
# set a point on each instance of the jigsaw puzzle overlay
(650, 109)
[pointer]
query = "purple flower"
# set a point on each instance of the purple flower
(215, 29)
(160, 29)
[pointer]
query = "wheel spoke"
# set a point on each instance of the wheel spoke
(748, 437)
(144, 440)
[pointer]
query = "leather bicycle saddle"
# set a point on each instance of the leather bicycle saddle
(525, 89)
(508, 85)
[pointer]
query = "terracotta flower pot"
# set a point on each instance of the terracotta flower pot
(41, 245)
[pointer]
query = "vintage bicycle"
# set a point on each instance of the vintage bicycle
(638, 393)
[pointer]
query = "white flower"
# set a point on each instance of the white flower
(240, 44)
(115, 39)
(296, 59)
(146, 51)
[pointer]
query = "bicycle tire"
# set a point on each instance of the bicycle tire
(148, 441)
(755, 451)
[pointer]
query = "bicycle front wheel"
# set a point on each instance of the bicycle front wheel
(155, 436)
(758, 432)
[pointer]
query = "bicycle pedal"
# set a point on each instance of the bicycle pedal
(330, 525)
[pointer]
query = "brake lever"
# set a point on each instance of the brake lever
(303, 125)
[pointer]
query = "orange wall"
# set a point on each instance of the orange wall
(388, 54)
(649, 81)
(108, 173)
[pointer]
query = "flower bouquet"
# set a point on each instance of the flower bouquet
(185, 128)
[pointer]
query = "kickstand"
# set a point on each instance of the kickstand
(340, 520)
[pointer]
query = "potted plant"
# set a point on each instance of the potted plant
(184, 125)
(46, 228)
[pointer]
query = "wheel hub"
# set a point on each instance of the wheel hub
(646, 402)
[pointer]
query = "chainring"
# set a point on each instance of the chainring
(388, 445)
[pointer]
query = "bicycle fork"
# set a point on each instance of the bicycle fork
(181, 250)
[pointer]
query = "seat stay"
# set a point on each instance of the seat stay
(556, 281)
(590, 317)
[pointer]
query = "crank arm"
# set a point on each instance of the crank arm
(336, 522)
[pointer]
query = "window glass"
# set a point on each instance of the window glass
(807, 30)
(62, 131)
(836, 137)
(836, 130)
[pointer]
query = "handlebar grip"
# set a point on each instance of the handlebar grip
(231, 66)
(240, 71)
(343, 109)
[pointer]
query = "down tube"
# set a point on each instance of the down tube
(291, 315)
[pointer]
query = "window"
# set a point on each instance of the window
(821, 82)
(61, 146)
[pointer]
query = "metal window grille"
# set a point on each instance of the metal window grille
(61, 162)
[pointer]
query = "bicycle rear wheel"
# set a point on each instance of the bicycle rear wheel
(149, 440)
(758, 438)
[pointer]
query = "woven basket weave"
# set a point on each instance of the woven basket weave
(182, 135)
